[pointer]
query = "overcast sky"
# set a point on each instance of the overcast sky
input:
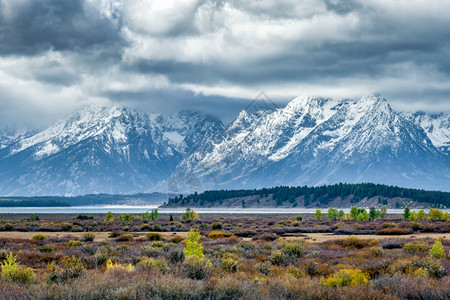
(216, 56)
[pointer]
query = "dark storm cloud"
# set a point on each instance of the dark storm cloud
(331, 60)
(373, 49)
(342, 6)
(67, 25)
(216, 55)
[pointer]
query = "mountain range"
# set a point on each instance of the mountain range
(311, 141)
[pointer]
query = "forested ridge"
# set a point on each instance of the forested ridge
(321, 195)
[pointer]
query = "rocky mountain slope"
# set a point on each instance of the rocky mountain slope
(316, 141)
(102, 149)
(312, 141)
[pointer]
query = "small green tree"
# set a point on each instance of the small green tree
(383, 212)
(421, 214)
(196, 265)
(193, 247)
(13, 271)
(413, 216)
(109, 216)
(125, 217)
(373, 213)
(406, 213)
(146, 216)
(332, 214)
(437, 251)
(318, 215)
(363, 215)
(155, 215)
(341, 215)
(435, 214)
(34, 217)
(353, 212)
(189, 215)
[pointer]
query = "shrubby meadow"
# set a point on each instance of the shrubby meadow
(365, 254)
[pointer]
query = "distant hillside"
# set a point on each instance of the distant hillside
(93, 199)
(337, 195)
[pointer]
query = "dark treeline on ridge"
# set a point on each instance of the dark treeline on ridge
(91, 199)
(323, 194)
(29, 202)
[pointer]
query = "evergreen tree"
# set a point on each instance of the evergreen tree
(373, 213)
(406, 213)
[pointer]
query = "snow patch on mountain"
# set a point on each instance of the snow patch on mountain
(437, 128)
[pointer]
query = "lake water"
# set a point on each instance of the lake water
(141, 209)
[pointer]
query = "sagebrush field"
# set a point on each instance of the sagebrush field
(223, 257)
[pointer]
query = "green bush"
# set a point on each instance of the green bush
(34, 217)
(230, 262)
(6, 226)
(154, 236)
(415, 247)
(178, 224)
(351, 241)
(39, 237)
(264, 267)
(278, 258)
(219, 234)
(65, 226)
(176, 255)
(197, 268)
(13, 272)
(376, 251)
(189, 215)
(71, 267)
(151, 263)
(245, 246)
(434, 267)
(176, 239)
(394, 231)
(389, 225)
(346, 277)
(88, 237)
(293, 250)
(158, 244)
(74, 243)
(415, 226)
(437, 251)
(76, 228)
(216, 225)
(46, 249)
(126, 237)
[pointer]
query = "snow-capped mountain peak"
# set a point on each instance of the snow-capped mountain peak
(103, 149)
(316, 140)
(436, 126)
(313, 140)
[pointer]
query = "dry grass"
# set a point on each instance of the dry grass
(316, 238)
(99, 236)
